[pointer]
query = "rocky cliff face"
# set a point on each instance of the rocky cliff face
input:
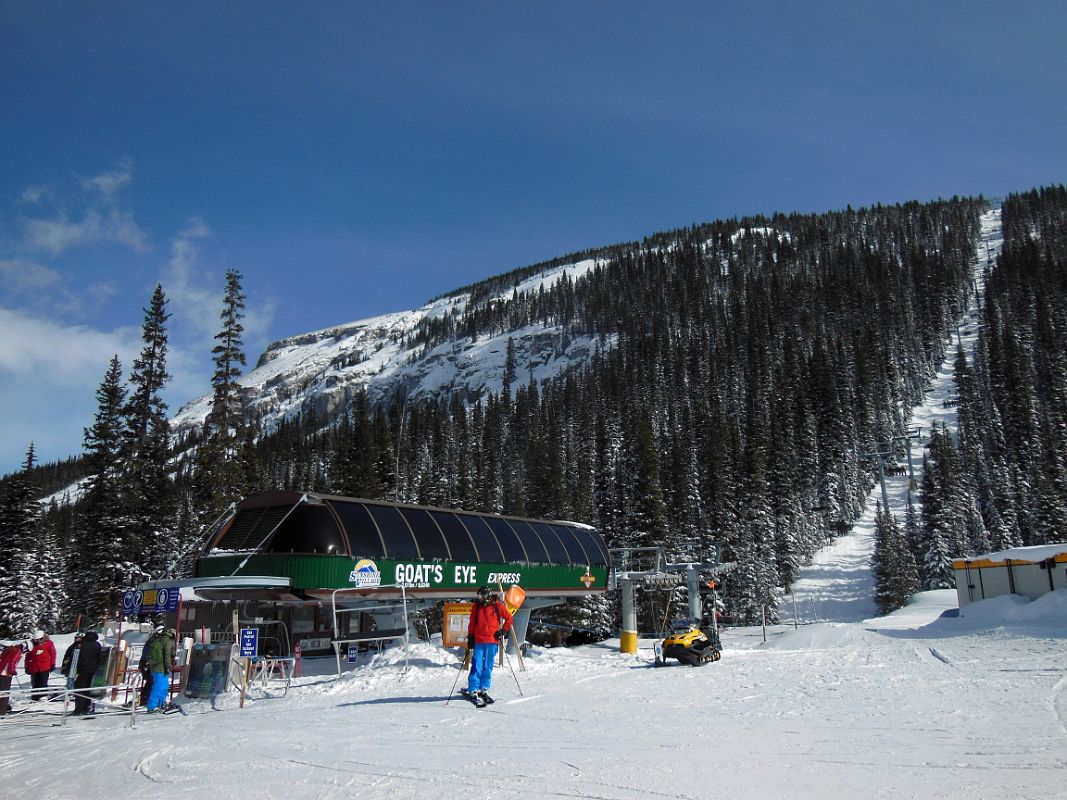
(322, 370)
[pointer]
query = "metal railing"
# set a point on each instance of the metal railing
(96, 695)
(370, 636)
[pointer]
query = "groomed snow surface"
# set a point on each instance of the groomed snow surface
(919, 704)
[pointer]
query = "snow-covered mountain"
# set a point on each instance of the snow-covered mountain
(322, 370)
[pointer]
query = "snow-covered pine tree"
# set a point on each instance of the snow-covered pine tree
(147, 447)
(939, 533)
(219, 475)
(20, 539)
(103, 563)
(896, 577)
(51, 599)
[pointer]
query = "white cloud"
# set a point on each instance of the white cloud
(32, 195)
(60, 233)
(102, 219)
(186, 284)
(49, 374)
(27, 277)
(111, 183)
(195, 294)
(32, 347)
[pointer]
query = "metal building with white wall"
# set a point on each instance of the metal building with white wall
(1027, 571)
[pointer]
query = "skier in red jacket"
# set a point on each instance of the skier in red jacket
(489, 624)
(40, 660)
(10, 656)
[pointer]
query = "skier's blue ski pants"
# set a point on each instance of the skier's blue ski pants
(158, 696)
(482, 658)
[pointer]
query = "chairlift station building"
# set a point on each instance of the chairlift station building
(294, 558)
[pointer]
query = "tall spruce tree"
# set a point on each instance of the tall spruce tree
(20, 540)
(896, 577)
(105, 557)
(147, 448)
(51, 598)
(219, 475)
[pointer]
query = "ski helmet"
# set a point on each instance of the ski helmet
(486, 593)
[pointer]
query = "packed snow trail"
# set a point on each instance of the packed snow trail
(838, 586)
(911, 705)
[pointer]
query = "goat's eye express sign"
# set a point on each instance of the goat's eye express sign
(448, 575)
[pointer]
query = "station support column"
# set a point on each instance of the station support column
(692, 577)
(520, 624)
(628, 634)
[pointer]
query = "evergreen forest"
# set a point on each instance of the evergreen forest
(748, 375)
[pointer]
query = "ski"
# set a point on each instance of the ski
(472, 698)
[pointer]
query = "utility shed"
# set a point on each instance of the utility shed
(1027, 571)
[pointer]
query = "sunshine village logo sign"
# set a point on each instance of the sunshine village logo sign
(366, 574)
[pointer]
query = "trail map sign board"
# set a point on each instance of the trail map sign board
(456, 618)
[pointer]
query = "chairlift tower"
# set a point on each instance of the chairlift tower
(647, 567)
(881, 456)
(913, 433)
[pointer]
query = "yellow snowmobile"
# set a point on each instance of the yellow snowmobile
(689, 645)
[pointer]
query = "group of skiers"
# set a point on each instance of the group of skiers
(489, 624)
(84, 656)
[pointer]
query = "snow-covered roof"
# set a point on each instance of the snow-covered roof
(1040, 552)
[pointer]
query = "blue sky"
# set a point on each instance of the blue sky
(352, 159)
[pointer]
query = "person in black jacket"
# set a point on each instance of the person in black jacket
(89, 655)
(68, 654)
(142, 666)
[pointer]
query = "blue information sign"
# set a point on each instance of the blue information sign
(249, 642)
(151, 601)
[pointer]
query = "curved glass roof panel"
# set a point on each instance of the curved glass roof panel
(595, 551)
(556, 548)
(483, 536)
(432, 543)
(459, 541)
(250, 526)
(308, 529)
(533, 542)
(572, 543)
(399, 541)
(509, 540)
(363, 534)
(308, 523)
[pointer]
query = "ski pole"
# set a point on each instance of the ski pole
(455, 683)
(507, 658)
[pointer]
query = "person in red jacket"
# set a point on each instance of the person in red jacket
(489, 624)
(10, 656)
(40, 661)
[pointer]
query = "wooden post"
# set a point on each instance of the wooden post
(244, 681)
